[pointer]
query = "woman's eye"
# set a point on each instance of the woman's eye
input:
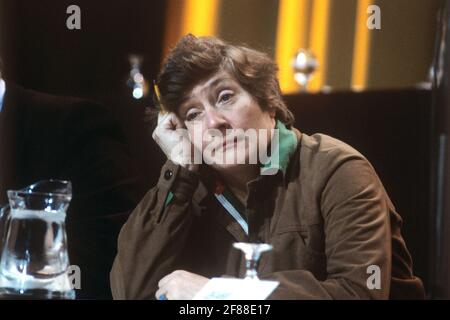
(191, 116)
(225, 97)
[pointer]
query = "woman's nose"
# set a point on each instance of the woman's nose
(214, 119)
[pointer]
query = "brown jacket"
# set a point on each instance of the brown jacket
(328, 219)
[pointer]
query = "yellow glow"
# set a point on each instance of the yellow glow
(172, 32)
(199, 17)
(319, 41)
(291, 36)
(361, 47)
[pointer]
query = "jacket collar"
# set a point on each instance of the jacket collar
(284, 143)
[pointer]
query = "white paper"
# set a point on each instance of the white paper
(236, 289)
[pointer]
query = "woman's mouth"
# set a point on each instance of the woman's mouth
(227, 143)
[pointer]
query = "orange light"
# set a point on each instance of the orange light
(319, 41)
(200, 17)
(291, 35)
(361, 47)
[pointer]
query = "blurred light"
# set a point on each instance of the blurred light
(292, 34)
(319, 40)
(301, 78)
(300, 59)
(138, 77)
(138, 93)
(200, 17)
(361, 47)
(304, 65)
(136, 80)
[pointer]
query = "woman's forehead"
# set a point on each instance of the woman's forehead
(211, 83)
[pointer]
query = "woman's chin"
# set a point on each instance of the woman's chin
(225, 166)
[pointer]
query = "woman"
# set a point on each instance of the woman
(315, 199)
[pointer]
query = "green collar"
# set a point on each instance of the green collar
(287, 144)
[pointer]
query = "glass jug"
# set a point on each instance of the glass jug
(34, 259)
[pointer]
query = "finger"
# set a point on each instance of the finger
(177, 122)
(163, 116)
(170, 122)
(159, 129)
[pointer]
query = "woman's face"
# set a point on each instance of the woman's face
(228, 119)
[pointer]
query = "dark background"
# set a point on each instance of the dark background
(39, 52)
(42, 54)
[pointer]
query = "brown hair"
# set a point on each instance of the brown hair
(194, 59)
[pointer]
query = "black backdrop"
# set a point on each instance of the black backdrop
(39, 52)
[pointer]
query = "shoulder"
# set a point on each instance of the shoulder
(40, 103)
(322, 150)
(322, 156)
(67, 113)
(63, 104)
(338, 172)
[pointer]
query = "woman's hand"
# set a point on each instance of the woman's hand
(172, 137)
(180, 285)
